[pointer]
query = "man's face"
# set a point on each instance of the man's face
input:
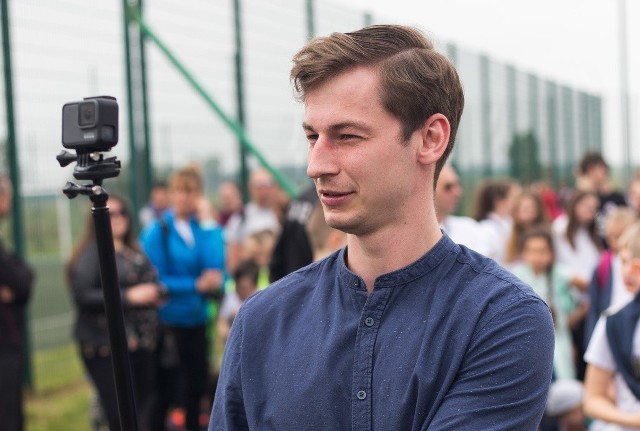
(448, 192)
(599, 174)
(537, 254)
(364, 173)
(184, 198)
(261, 188)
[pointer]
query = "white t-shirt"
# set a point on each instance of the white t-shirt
(466, 231)
(498, 229)
(230, 306)
(581, 260)
(599, 353)
(255, 220)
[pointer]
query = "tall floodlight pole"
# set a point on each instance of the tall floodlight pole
(624, 90)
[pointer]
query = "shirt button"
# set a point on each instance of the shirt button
(356, 283)
(361, 395)
(369, 321)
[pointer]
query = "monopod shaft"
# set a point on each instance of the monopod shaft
(114, 313)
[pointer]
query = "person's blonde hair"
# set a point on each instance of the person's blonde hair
(630, 240)
(620, 216)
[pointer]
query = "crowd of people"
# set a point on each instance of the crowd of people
(196, 260)
(568, 249)
(183, 279)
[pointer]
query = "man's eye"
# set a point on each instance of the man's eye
(347, 137)
(312, 138)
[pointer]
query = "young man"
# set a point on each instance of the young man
(614, 350)
(402, 329)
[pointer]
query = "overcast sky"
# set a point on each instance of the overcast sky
(575, 42)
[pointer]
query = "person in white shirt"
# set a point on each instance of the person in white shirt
(578, 247)
(493, 209)
(256, 216)
(613, 335)
(462, 230)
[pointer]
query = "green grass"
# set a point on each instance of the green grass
(60, 399)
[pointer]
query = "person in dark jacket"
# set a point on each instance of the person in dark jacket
(140, 298)
(16, 281)
(293, 250)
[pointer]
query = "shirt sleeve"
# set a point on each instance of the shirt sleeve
(505, 376)
(228, 412)
(598, 352)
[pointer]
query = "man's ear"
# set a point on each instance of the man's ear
(435, 137)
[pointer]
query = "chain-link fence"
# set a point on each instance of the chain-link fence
(68, 49)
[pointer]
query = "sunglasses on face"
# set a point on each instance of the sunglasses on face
(118, 213)
(447, 187)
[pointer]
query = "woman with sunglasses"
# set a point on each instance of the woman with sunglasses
(140, 299)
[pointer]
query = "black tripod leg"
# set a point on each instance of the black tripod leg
(113, 309)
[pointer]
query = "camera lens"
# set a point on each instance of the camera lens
(87, 114)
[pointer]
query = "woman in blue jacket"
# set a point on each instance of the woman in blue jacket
(190, 263)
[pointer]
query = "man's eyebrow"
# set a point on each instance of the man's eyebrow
(340, 126)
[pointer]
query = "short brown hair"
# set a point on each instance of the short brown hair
(416, 82)
(590, 160)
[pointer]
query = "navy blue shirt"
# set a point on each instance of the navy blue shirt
(452, 341)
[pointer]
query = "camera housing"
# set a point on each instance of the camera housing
(91, 124)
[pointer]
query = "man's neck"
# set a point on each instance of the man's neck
(391, 249)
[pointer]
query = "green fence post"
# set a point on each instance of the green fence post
(452, 54)
(311, 19)
(14, 165)
(368, 19)
(485, 95)
(133, 150)
(240, 113)
(228, 121)
(568, 124)
(512, 116)
(148, 170)
(552, 132)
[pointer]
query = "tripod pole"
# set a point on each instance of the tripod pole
(113, 309)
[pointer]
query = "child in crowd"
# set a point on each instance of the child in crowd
(493, 209)
(246, 284)
(613, 354)
(578, 247)
(537, 267)
(258, 246)
(528, 211)
(607, 287)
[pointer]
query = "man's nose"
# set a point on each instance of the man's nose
(322, 158)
